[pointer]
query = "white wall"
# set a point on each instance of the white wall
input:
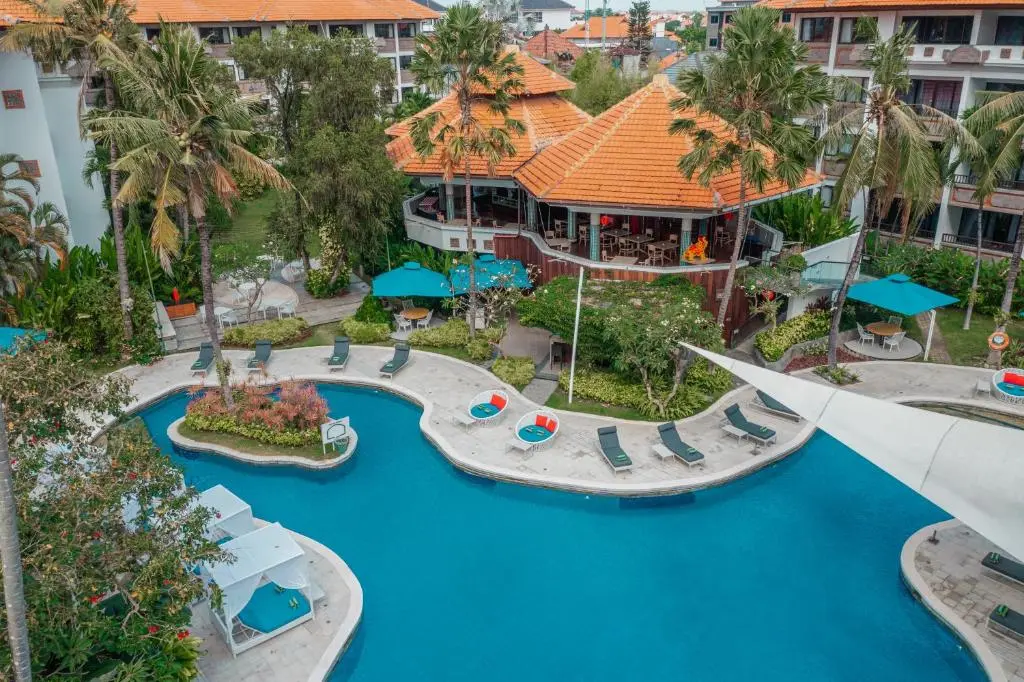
(555, 19)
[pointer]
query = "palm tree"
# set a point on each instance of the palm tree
(757, 85)
(84, 32)
(891, 154)
(465, 56)
(181, 132)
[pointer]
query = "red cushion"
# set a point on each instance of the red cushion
(541, 420)
(552, 425)
(1013, 379)
(498, 401)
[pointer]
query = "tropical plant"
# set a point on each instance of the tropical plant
(86, 32)
(599, 86)
(413, 102)
(245, 262)
(757, 85)
(465, 56)
(289, 414)
(638, 29)
(804, 218)
(694, 37)
(365, 332)
(890, 153)
(371, 310)
(279, 332)
(773, 343)
(182, 133)
(517, 371)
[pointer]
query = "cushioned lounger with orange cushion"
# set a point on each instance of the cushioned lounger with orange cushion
(1013, 379)
(498, 401)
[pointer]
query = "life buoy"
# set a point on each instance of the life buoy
(999, 341)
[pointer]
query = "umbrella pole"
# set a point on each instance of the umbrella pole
(931, 329)
(575, 334)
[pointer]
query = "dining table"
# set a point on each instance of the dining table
(622, 260)
(883, 329)
(657, 250)
(413, 314)
(635, 241)
(560, 243)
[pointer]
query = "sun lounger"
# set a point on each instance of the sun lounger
(761, 434)
(396, 363)
(1004, 566)
(689, 455)
(205, 359)
(339, 356)
(773, 406)
(608, 441)
(257, 362)
(1007, 622)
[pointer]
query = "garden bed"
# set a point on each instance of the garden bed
(808, 361)
(253, 447)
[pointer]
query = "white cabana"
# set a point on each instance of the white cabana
(232, 515)
(971, 469)
(265, 558)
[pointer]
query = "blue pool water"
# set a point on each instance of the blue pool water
(791, 574)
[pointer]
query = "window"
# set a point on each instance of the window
(488, 245)
(713, 42)
(152, 34)
(453, 242)
(215, 35)
(941, 95)
(728, 18)
(842, 148)
(30, 168)
(384, 30)
(405, 61)
(239, 73)
(826, 195)
(406, 30)
(244, 31)
(535, 17)
(13, 99)
(351, 29)
(942, 30)
(1010, 31)
(314, 29)
(787, 17)
(848, 30)
(715, 18)
(816, 30)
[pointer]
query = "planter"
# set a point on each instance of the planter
(795, 350)
(176, 312)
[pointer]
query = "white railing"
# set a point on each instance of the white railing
(968, 55)
(769, 236)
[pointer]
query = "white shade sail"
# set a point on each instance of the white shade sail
(972, 470)
(232, 516)
(269, 552)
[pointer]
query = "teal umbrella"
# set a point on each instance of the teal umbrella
(412, 279)
(490, 272)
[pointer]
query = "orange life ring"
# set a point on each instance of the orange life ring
(999, 341)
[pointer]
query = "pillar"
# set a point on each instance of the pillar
(595, 236)
(531, 213)
(572, 224)
(685, 236)
(449, 203)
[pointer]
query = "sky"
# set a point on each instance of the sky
(660, 5)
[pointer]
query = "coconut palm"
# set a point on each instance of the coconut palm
(181, 132)
(758, 84)
(84, 32)
(891, 154)
(465, 56)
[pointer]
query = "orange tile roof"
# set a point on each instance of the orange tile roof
(549, 45)
(669, 61)
(546, 119)
(617, 27)
(13, 11)
(537, 79)
(626, 158)
(840, 5)
(199, 11)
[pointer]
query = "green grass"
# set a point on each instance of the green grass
(970, 347)
(249, 223)
(322, 335)
(253, 447)
(559, 400)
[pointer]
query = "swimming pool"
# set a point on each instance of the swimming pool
(790, 574)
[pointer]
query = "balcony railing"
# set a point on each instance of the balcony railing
(987, 244)
(972, 181)
(968, 55)
(818, 53)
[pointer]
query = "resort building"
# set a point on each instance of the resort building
(556, 14)
(720, 15)
(599, 32)
(961, 50)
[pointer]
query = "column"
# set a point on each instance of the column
(572, 224)
(531, 213)
(595, 236)
(686, 233)
(449, 202)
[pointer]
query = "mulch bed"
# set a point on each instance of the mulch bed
(805, 361)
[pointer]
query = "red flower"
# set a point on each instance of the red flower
(175, 296)
(153, 629)
(183, 634)
(132, 476)
(94, 599)
(166, 581)
(769, 295)
(96, 535)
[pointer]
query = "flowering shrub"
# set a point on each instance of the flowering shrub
(290, 416)
(515, 371)
(365, 332)
(773, 343)
(286, 330)
(451, 334)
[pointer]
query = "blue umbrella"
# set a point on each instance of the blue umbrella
(490, 273)
(412, 279)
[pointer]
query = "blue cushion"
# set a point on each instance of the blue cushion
(483, 410)
(1010, 388)
(269, 609)
(534, 433)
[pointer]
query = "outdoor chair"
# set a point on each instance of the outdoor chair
(896, 320)
(1004, 566)
(425, 322)
(400, 359)
(402, 323)
(228, 318)
(258, 361)
(339, 356)
(670, 440)
(608, 442)
(893, 342)
(406, 303)
(205, 359)
(772, 406)
(605, 256)
(737, 423)
(865, 335)
(1006, 622)
(286, 309)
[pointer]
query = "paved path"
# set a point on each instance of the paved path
(938, 352)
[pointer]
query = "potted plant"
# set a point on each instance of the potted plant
(179, 309)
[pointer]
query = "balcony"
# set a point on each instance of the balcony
(972, 242)
(448, 236)
(252, 87)
(219, 51)
(385, 45)
(850, 56)
(818, 53)
(1008, 197)
(997, 56)
(406, 77)
(833, 167)
(406, 44)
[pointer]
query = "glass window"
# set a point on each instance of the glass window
(405, 61)
(243, 31)
(728, 18)
(816, 30)
(713, 42)
(384, 30)
(352, 29)
(851, 89)
(787, 17)
(942, 30)
(314, 29)
(406, 29)
(215, 35)
(714, 18)
(826, 195)
(152, 34)
(848, 30)
(1010, 31)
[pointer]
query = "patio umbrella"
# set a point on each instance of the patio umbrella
(490, 272)
(902, 295)
(412, 279)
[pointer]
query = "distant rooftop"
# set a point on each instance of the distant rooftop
(430, 4)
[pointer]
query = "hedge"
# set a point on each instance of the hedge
(365, 332)
(257, 432)
(614, 389)
(283, 331)
(773, 343)
(479, 349)
(371, 310)
(451, 334)
(518, 371)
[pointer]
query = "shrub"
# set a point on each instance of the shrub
(318, 282)
(365, 332)
(773, 343)
(517, 371)
(838, 375)
(479, 349)
(371, 310)
(451, 334)
(292, 419)
(793, 262)
(283, 331)
(492, 334)
(614, 389)
(250, 188)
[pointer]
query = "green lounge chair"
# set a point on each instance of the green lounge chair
(761, 434)
(670, 439)
(773, 406)
(339, 357)
(1007, 622)
(608, 440)
(1004, 566)
(257, 362)
(205, 359)
(396, 363)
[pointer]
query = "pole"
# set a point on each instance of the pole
(576, 333)
(604, 24)
(586, 25)
(931, 328)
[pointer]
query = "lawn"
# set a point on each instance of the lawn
(249, 223)
(971, 347)
(559, 400)
(253, 447)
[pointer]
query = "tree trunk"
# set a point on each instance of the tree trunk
(905, 222)
(336, 272)
(10, 562)
(837, 311)
(183, 222)
(741, 233)
(994, 356)
(471, 250)
(206, 272)
(977, 271)
(117, 221)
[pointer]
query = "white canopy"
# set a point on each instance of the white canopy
(232, 516)
(973, 470)
(269, 552)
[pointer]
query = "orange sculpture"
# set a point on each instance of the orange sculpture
(697, 251)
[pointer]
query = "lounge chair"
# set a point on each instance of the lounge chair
(689, 455)
(773, 406)
(1004, 566)
(1005, 621)
(397, 362)
(608, 440)
(205, 359)
(339, 357)
(739, 424)
(257, 362)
